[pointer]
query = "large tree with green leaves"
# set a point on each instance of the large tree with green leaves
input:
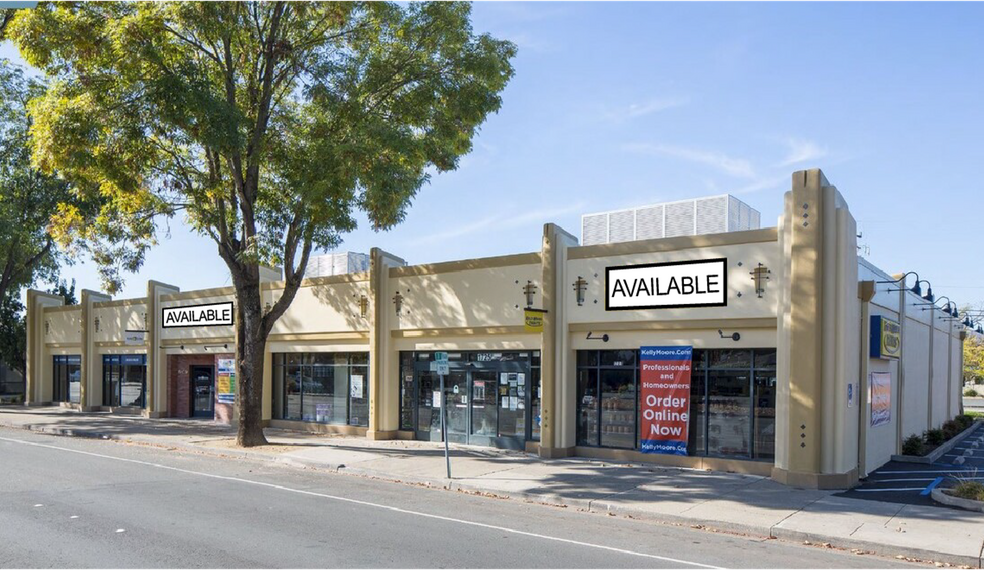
(266, 123)
(28, 197)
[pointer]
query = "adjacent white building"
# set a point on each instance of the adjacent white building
(696, 216)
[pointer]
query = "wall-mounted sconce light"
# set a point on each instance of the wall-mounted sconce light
(602, 338)
(760, 275)
(47, 327)
(929, 290)
(529, 290)
(398, 302)
(144, 316)
(931, 305)
(735, 336)
(915, 288)
(580, 286)
(267, 308)
(950, 308)
(96, 323)
(363, 306)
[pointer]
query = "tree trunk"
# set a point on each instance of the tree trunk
(250, 346)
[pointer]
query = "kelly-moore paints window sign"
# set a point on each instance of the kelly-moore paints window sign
(675, 284)
(208, 315)
(664, 398)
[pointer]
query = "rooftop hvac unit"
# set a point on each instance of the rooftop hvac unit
(700, 216)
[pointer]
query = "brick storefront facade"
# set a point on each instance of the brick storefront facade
(179, 389)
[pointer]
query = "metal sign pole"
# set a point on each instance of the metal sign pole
(444, 426)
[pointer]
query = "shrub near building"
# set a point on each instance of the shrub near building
(920, 445)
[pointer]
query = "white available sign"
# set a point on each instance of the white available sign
(212, 314)
(702, 283)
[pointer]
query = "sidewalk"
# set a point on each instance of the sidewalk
(745, 504)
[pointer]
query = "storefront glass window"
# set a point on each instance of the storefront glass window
(512, 404)
(764, 431)
(124, 380)
(359, 396)
(406, 391)
(322, 387)
(67, 375)
(587, 406)
(535, 395)
(732, 403)
(618, 405)
(729, 394)
(292, 382)
(492, 397)
(485, 397)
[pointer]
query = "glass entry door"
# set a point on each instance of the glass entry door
(456, 385)
(202, 392)
(429, 406)
(480, 411)
(484, 419)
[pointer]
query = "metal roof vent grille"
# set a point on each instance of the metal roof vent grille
(712, 216)
(680, 219)
(594, 229)
(649, 223)
(621, 226)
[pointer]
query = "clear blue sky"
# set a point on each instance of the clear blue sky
(622, 104)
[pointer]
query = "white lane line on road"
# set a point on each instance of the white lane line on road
(366, 504)
(954, 470)
(889, 490)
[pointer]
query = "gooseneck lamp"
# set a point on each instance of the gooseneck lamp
(915, 287)
(929, 290)
(929, 306)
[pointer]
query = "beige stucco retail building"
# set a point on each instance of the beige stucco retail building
(782, 376)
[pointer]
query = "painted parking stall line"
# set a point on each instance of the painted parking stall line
(929, 488)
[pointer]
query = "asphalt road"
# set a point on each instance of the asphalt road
(68, 502)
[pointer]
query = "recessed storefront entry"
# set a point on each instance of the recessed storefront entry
(202, 391)
(490, 399)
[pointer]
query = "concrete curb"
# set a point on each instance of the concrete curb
(602, 506)
(940, 497)
(598, 506)
(877, 547)
(941, 450)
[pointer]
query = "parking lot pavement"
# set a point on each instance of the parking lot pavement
(911, 483)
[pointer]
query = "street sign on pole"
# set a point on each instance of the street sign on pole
(444, 422)
(441, 368)
(440, 365)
